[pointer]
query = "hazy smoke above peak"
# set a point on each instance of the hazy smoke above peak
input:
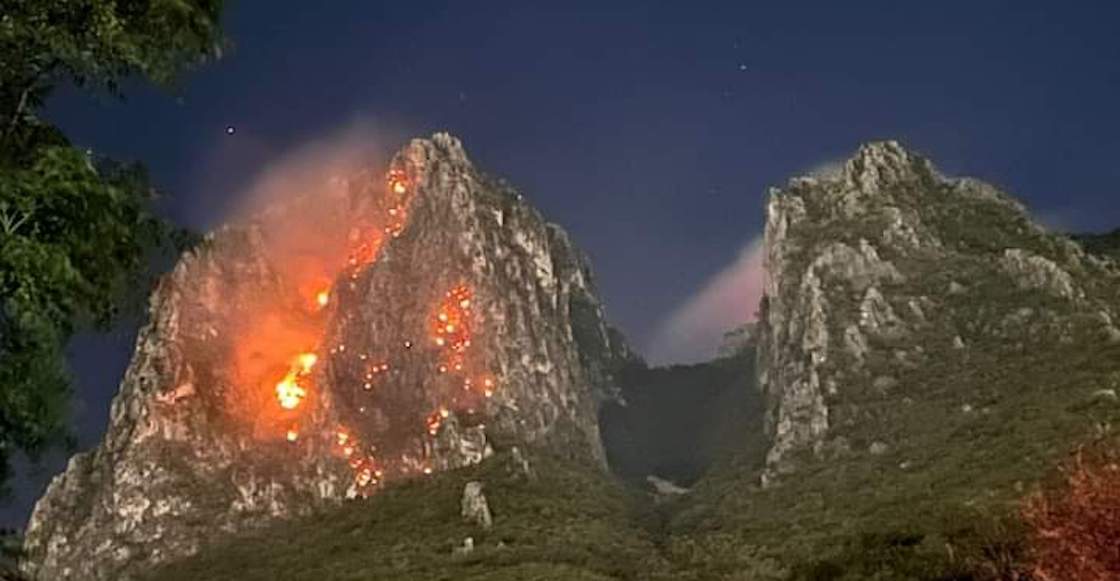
(693, 331)
(315, 169)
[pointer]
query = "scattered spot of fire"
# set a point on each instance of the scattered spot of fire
(398, 182)
(307, 361)
(322, 298)
(435, 420)
(293, 435)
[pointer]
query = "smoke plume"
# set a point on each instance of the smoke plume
(693, 331)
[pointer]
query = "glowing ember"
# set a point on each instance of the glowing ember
(322, 298)
(307, 361)
(435, 420)
(293, 435)
(398, 182)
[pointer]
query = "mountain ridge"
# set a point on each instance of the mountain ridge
(925, 354)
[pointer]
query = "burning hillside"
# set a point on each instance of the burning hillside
(383, 325)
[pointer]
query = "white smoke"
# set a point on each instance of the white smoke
(727, 300)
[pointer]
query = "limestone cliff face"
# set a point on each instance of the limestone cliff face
(889, 266)
(461, 321)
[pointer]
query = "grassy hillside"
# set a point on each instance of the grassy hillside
(941, 504)
(567, 523)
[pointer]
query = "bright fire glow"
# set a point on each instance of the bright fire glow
(464, 378)
(307, 361)
(398, 182)
(290, 391)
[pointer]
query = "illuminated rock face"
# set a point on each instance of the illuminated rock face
(458, 321)
(889, 268)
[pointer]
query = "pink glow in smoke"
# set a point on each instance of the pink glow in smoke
(693, 331)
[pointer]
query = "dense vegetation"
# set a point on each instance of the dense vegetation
(1107, 244)
(564, 522)
(943, 503)
(676, 421)
(77, 232)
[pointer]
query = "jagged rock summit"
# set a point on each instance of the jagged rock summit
(456, 321)
(882, 275)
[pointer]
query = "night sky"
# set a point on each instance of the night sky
(651, 134)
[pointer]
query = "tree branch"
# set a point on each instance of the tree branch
(23, 96)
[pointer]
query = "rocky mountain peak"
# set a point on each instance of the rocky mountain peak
(879, 165)
(873, 271)
(390, 324)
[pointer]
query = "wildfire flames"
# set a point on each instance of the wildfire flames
(293, 342)
(290, 391)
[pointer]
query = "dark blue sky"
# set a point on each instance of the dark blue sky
(649, 132)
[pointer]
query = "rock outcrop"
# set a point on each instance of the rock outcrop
(459, 321)
(475, 508)
(887, 266)
(738, 340)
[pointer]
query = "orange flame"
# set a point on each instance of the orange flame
(289, 391)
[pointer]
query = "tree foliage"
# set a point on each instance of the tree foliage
(77, 232)
(92, 43)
